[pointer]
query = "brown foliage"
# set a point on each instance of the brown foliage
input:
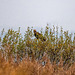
(27, 67)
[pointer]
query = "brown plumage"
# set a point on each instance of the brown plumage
(39, 36)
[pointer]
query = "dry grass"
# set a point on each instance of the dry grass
(27, 67)
(14, 46)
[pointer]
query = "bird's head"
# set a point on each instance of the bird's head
(34, 30)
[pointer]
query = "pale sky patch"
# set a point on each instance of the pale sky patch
(37, 13)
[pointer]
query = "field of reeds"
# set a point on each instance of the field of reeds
(27, 55)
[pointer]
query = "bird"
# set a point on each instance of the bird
(39, 36)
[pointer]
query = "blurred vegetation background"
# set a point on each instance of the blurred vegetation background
(14, 46)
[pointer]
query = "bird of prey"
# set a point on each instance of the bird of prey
(39, 36)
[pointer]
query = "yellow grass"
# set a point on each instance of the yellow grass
(27, 67)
